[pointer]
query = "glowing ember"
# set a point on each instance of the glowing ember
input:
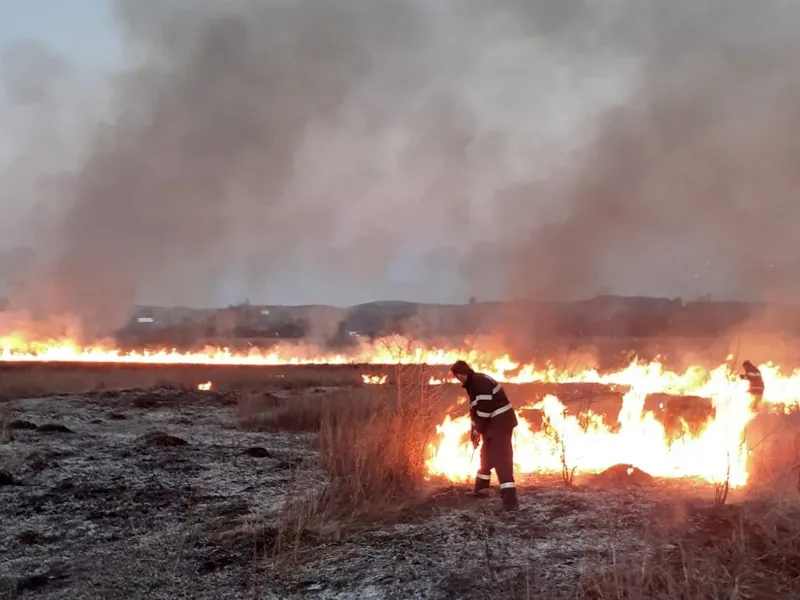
(204, 387)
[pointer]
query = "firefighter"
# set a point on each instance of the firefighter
(753, 377)
(493, 421)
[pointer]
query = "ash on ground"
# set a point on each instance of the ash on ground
(159, 495)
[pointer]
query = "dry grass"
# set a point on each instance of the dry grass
(379, 464)
(372, 443)
(746, 551)
(374, 461)
(263, 411)
(43, 379)
(372, 448)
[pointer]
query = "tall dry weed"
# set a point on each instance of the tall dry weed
(373, 448)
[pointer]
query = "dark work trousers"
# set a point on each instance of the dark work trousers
(496, 453)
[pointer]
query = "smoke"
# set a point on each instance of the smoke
(33, 81)
(690, 185)
(306, 152)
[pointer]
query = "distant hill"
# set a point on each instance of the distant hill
(603, 316)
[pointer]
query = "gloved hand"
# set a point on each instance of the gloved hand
(475, 437)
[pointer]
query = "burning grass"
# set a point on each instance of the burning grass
(361, 517)
(373, 447)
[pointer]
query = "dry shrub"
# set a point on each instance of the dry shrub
(745, 551)
(377, 465)
(372, 450)
(373, 467)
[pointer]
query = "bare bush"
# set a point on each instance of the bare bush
(373, 452)
(558, 435)
(375, 467)
(380, 463)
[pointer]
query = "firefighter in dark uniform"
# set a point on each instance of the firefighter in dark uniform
(756, 381)
(493, 420)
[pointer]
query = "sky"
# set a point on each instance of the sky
(293, 152)
(83, 31)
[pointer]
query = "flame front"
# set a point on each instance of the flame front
(17, 347)
(587, 446)
(592, 446)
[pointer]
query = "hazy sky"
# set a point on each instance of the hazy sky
(83, 31)
(295, 151)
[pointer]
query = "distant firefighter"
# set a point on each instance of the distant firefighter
(753, 377)
(493, 420)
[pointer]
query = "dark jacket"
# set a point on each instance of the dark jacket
(489, 408)
(753, 376)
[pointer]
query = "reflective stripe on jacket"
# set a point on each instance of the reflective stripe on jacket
(753, 376)
(489, 407)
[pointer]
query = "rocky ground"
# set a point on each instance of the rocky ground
(160, 495)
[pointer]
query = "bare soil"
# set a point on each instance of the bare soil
(113, 493)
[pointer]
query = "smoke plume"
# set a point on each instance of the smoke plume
(689, 186)
(298, 151)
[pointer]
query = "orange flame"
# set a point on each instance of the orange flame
(391, 350)
(716, 453)
(588, 446)
(592, 446)
(204, 387)
(374, 379)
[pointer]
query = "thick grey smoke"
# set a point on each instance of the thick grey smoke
(691, 184)
(302, 150)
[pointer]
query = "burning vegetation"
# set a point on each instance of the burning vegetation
(353, 466)
(571, 436)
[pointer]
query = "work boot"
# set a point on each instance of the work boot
(480, 486)
(509, 497)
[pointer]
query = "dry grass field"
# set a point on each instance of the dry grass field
(302, 482)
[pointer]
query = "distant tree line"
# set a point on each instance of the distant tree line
(600, 317)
